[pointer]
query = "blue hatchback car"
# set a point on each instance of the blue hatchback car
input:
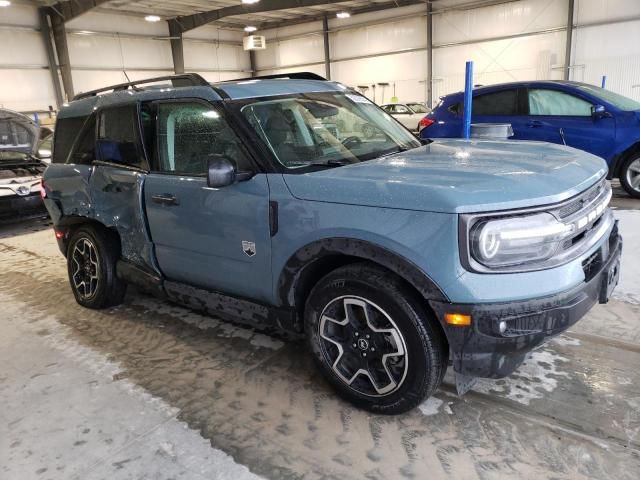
(262, 201)
(570, 113)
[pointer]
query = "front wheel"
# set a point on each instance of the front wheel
(91, 263)
(630, 176)
(372, 339)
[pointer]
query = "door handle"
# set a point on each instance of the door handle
(165, 199)
(535, 124)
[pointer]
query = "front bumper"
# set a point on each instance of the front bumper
(483, 350)
(11, 205)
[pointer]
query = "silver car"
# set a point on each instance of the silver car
(408, 114)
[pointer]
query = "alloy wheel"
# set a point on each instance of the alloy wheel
(86, 268)
(363, 345)
(633, 175)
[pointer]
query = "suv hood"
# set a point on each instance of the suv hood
(17, 132)
(457, 176)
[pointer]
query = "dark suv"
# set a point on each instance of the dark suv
(262, 200)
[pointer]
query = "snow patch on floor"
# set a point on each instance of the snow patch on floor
(566, 341)
(628, 290)
(432, 405)
(538, 375)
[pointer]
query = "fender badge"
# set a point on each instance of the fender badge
(249, 248)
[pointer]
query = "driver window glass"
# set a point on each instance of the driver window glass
(401, 109)
(552, 102)
(189, 134)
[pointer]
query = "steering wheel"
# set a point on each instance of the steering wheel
(352, 140)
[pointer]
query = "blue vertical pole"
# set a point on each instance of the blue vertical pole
(604, 80)
(466, 114)
(36, 119)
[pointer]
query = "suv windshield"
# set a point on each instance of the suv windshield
(326, 129)
(619, 101)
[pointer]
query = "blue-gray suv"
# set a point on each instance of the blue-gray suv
(261, 201)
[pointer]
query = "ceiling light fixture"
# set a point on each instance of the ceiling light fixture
(152, 18)
(250, 2)
(250, 28)
(4, 3)
(343, 14)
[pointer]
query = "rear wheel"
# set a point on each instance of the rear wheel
(630, 176)
(91, 263)
(373, 340)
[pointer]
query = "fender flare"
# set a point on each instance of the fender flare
(293, 273)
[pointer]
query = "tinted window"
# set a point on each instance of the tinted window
(553, 102)
(504, 102)
(67, 130)
(84, 151)
(118, 136)
(189, 134)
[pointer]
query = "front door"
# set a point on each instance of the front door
(214, 238)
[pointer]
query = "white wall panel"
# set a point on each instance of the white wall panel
(22, 47)
(611, 50)
(499, 20)
(406, 70)
(210, 55)
(26, 90)
(19, 15)
(535, 57)
(115, 51)
(589, 11)
(280, 54)
(84, 80)
(387, 37)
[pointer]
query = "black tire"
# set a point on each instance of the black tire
(629, 173)
(402, 382)
(106, 289)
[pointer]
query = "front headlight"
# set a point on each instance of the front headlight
(517, 240)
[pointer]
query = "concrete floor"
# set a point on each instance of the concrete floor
(152, 390)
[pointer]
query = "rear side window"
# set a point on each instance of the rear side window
(553, 102)
(504, 102)
(66, 132)
(84, 149)
(118, 136)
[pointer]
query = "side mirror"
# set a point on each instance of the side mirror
(220, 172)
(598, 111)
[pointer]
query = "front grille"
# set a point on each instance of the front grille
(579, 203)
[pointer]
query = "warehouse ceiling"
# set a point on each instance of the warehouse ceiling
(297, 11)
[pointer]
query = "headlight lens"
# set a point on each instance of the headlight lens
(517, 240)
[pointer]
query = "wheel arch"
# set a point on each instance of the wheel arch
(70, 224)
(313, 261)
(620, 158)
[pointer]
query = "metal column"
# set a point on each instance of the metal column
(430, 54)
(327, 53)
(177, 51)
(62, 49)
(567, 52)
(45, 30)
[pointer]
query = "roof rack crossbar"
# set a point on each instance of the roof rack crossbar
(291, 76)
(180, 80)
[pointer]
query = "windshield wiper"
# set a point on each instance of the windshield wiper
(334, 162)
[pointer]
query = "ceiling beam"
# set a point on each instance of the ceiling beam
(189, 22)
(354, 11)
(71, 9)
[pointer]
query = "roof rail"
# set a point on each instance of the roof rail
(292, 76)
(180, 80)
